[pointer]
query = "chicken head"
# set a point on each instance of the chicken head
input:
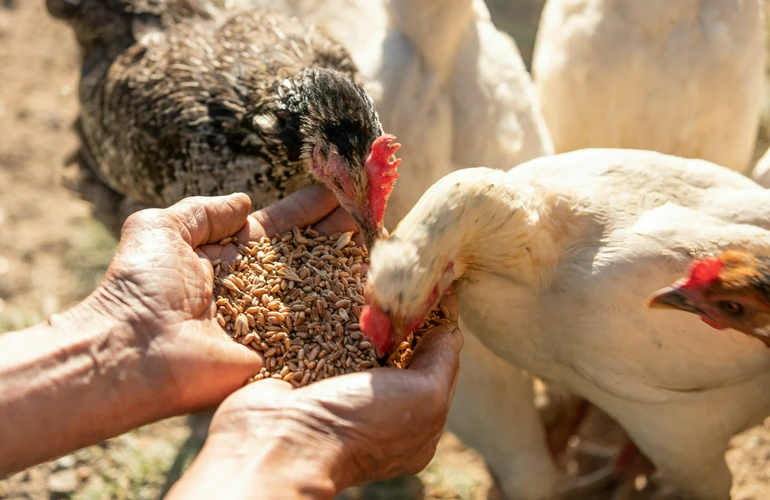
(361, 190)
(730, 290)
(400, 293)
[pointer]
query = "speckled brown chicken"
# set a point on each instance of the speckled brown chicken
(179, 100)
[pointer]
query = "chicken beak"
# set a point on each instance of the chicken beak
(671, 297)
(383, 356)
(370, 236)
(397, 335)
(369, 231)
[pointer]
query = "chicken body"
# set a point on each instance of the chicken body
(180, 100)
(653, 75)
(552, 263)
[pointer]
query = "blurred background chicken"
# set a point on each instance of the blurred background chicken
(178, 100)
(761, 171)
(682, 78)
(552, 262)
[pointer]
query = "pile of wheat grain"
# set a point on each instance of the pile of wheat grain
(297, 299)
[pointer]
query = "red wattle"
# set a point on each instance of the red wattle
(713, 324)
(376, 325)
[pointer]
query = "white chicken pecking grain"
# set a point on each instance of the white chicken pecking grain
(553, 261)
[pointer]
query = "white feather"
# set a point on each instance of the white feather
(680, 77)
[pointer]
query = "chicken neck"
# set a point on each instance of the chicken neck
(483, 222)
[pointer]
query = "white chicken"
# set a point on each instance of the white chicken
(682, 78)
(359, 25)
(445, 77)
(552, 262)
(450, 80)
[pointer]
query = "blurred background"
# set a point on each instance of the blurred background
(53, 253)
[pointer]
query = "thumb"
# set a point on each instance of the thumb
(232, 363)
(265, 392)
(449, 300)
(204, 219)
(438, 354)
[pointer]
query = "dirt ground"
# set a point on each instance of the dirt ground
(52, 252)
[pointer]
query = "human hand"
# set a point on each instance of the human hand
(313, 206)
(144, 345)
(160, 282)
(334, 433)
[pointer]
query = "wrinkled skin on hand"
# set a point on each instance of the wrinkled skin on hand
(354, 428)
(160, 282)
(367, 426)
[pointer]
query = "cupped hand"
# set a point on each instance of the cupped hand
(359, 427)
(160, 282)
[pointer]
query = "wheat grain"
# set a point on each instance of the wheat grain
(297, 299)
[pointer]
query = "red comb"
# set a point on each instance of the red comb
(382, 174)
(703, 272)
(376, 325)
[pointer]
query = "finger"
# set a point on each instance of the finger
(449, 300)
(214, 352)
(208, 219)
(268, 389)
(302, 208)
(273, 386)
(226, 253)
(339, 221)
(438, 354)
(234, 355)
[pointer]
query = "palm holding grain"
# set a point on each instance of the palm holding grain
(163, 272)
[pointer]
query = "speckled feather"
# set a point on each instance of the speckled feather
(746, 270)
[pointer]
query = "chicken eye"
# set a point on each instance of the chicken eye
(731, 307)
